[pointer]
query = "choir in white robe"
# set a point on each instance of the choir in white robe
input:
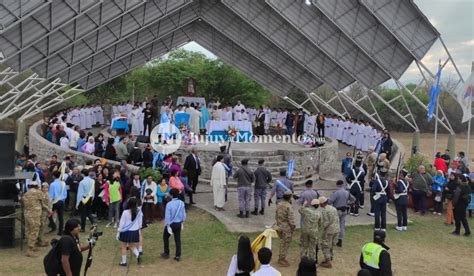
(365, 137)
(226, 115)
(83, 115)
(76, 117)
(238, 109)
(267, 112)
(218, 183)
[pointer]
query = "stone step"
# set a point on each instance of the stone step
(298, 182)
(254, 153)
(238, 158)
(268, 164)
(272, 169)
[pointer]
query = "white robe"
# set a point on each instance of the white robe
(238, 109)
(135, 121)
(339, 125)
(218, 183)
(365, 137)
(226, 115)
(87, 114)
(194, 118)
(83, 118)
(100, 115)
(358, 136)
(273, 118)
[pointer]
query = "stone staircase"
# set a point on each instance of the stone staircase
(274, 163)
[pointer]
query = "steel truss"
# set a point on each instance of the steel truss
(282, 54)
(45, 94)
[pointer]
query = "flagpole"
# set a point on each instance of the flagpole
(436, 119)
(468, 139)
(468, 142)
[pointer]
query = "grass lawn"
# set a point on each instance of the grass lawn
(426, 249)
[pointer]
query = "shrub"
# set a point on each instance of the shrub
(412, 164)
(145, 172)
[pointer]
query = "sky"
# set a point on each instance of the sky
(454, 19)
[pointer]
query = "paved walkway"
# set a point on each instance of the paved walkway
(204, 199)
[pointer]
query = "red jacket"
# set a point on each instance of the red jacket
(440, 164)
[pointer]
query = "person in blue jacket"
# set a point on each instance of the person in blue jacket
(437, 188)
(346, 165)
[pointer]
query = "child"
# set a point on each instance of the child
(438, 188)
(129, 231)
(346, 166)
(113, 197)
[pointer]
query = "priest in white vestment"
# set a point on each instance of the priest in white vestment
(218, 183)
(194, 117)
(135, 120)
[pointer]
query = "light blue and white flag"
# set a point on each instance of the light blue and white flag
(291, 166)
(434, 93)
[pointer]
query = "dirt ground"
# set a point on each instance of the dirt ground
(427, 143)
(426, 249)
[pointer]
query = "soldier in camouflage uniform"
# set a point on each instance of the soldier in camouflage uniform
(311, 218)
(330, 221)
(45, 214)
(34, 203)
(285, 225)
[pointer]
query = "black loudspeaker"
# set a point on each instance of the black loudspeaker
(7, 223)
(143, 139)
(7, 155)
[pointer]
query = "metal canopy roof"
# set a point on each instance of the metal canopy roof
(282, 44)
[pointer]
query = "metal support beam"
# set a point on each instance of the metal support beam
(356, 105)
(295, 104)
(59, 96)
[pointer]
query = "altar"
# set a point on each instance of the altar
(119, 123)
(217, 130)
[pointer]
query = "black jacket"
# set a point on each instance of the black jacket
(147, 158)
(110, 152)
(191, 166)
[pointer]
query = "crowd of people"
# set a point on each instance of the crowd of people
(128, 202)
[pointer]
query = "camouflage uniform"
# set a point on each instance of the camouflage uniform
(310, 227)
(44, 216)
(285, 223)
(330, 221)
(34, 203)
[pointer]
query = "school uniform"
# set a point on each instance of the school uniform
(129, 230)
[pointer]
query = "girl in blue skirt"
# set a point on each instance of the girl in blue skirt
(129, 230)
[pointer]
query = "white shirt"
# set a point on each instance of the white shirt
(74, 138)
(64, 142)
(267, 270)
(126, 223)
(238, 108)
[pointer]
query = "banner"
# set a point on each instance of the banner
(464, 96)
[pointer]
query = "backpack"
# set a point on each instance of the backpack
(52, 262)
